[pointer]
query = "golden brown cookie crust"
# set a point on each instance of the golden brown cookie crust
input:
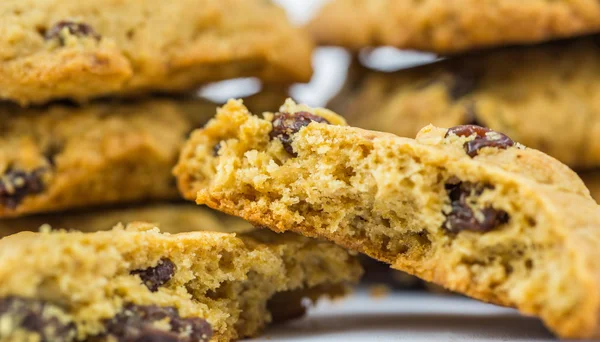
(131, 47)
(87, 279)
(451, 26)
(63, 157)
(401, 201)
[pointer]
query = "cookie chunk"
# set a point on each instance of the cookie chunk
(169, 217)
(63, 156)
(124, 47)
(451, 26)
(138, 284)
(466, 207)
(553, 84)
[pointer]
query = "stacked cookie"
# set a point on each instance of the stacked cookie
(466, 207)
(120, 149)
(522, 69)
(98, 101)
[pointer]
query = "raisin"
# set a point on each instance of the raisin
(15, 185)
(76, 29)
(37, 316)
(136, 323)
(463, 217)
(484, 137)
(157, 276)
(285, 125)
(216, 149)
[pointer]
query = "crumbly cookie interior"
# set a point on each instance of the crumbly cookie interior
(392, 198)
(92, 281)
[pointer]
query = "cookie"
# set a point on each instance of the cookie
(63, 156)
(466, 208)
(449, 27)
(169, 217)
(138, 284)
(551, 83)
(120, 47)
(405, 101)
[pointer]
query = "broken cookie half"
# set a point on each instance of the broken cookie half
(466, 207)
(138, 284)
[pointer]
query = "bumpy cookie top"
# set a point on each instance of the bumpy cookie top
(113, 47)
(554, 83)
(281, 136)
(451, 26)
(49, 155)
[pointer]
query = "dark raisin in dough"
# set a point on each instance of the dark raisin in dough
(15, 185)
(463, 217)
(38, 317)
(136, 323)
(216, 149)
(77, 29)
(285, 125)
(484, 137)
(157, 276)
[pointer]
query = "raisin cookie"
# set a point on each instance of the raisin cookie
(466, 207)
(451, 26)
(138, 284)
(169, 217)
(554, 84)
(79, 50)
(62, 156)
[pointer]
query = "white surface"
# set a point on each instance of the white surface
(301, 11)
(330, 66)
(391, 59)
(408, 316)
